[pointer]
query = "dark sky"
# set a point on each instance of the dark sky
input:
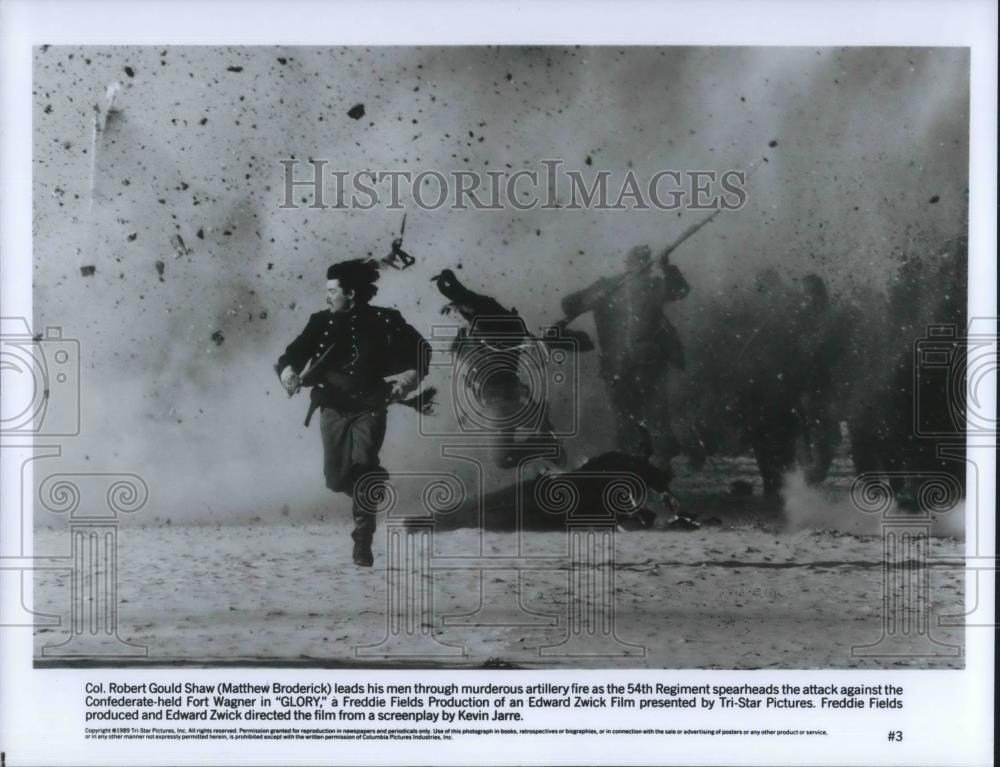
(866, 139)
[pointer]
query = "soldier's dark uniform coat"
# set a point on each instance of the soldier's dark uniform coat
(350, 354)
(344, 357)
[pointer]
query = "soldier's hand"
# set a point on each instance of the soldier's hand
(290, 380)
(402, 384)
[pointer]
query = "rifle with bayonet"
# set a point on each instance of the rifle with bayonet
(609, 287)
(615, 284)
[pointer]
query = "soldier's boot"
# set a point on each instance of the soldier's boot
(362, 553)
(369, 489)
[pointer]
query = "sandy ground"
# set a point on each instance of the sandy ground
(760, 589)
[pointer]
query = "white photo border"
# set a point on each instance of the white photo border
(950, 713)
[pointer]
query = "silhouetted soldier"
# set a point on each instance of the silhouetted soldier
(785, 378)
(488, 356)
(820, 341)
(894, 390)
(766, 372)
(360, 359)
(637, 345)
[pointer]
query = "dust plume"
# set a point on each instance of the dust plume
(161, 244)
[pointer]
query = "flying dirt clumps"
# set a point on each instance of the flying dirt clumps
(180, 249)
(356, 112)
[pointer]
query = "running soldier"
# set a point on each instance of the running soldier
(358, 359)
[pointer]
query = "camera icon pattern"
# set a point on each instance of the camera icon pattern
(43, 371)
(41, 406)
(503, 379)
(41, 381)
(954, 380)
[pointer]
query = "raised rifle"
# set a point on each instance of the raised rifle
(605, 289)
(617, 283)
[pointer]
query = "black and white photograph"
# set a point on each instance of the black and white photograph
(643, 317)
(506, 358)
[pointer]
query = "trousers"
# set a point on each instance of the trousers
(351, 443)
(638, 400)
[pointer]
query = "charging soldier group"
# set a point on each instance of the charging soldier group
(357, 359)
(775, 366)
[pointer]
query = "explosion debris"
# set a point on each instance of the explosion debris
(586, 97)
(180, 249)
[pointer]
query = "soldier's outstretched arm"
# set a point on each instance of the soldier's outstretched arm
(583, 301)
(412, 356)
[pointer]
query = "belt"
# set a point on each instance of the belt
(320, 397)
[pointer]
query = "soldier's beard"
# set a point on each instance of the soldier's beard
(344, 307)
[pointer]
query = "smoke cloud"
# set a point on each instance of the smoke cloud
(200, 279)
